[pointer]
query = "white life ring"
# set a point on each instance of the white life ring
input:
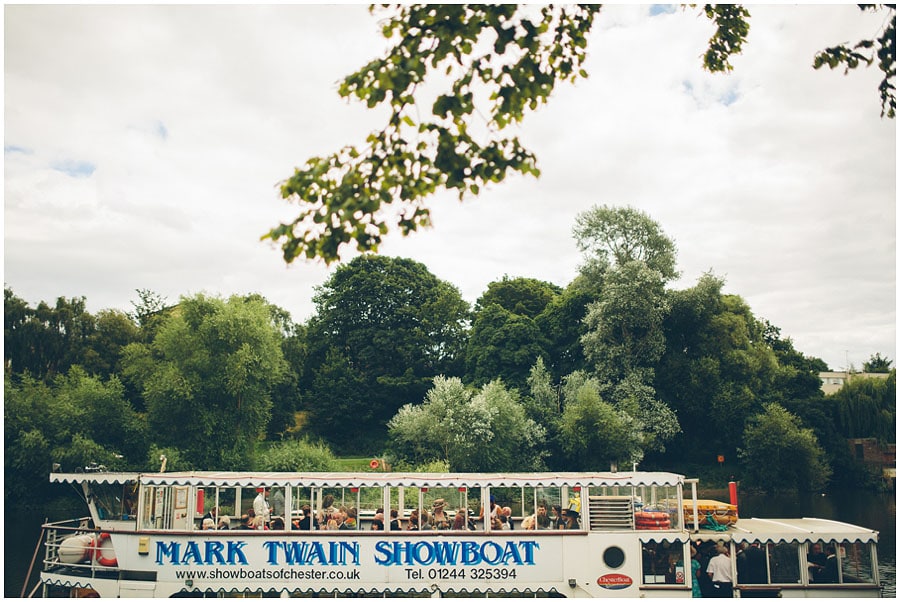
(98, 552)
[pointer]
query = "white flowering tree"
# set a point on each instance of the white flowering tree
(484, 430)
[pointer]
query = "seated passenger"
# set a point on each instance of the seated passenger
(224, 523)
(349, 523)
(395, 523)
(378, 522)
(542, 519)
(459, 521)
(413, 523)
(439, 519)
(529, 522)
(208, 524)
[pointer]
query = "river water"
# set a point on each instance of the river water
(872, 510)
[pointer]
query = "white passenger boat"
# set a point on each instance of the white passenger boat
(630, 535)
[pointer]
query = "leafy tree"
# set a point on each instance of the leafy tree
(867, 407)
(299, 455)
(498, 62)
(625, 326)
(45, 340)
(883, 47)
(385, 327)
(207, 378)
(72, 421)
(717, 369)
(561, 324)
(877, 364)
(522, 296)
(778, 453)
(798, 375)
(617, 236)
(594, 432)
(484, 431)
(113, 330)
(502, 345)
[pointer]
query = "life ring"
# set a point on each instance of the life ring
(373, 464)
(646, 515)
(98, 551)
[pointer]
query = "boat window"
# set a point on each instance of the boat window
(662, 562)
(784, 562)
(442, 505)
(302, 509)
(751, 563)
(856, 563)
(855, 560)
(115, 501)
(552, 498)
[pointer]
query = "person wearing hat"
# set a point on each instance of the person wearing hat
(261, 507)
(439, 519)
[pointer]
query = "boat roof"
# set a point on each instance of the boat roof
(376, 479)
(777, 530)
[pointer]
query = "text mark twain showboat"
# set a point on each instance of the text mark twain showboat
(628, 534)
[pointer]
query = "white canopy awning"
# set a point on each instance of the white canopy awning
(768, 530)
(378, 479)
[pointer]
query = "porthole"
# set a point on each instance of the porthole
(614, 557)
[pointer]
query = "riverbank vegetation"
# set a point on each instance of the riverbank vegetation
(615, 368)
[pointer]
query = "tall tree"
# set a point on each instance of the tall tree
(394, 326)
(717, 369)
(522, 296)
(778, 453)
(616, 236)
(625, 326)
(877, 364)
(867, 407)
(595, 433)
(481, 431)
(502, 345)
(208, 376)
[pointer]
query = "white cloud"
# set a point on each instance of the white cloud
(145, 145)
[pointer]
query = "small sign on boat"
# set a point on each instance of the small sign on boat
(614, 581)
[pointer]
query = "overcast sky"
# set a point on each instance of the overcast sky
(144, 145)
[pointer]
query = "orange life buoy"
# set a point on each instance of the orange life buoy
(98, 551)
(373, 464)
(645, 515)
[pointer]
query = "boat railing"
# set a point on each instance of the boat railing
(55, 533)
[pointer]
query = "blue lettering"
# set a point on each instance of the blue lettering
(214, 551)
(381, 547)
(530, 547)
(498, 552)
(192, 553)
(353, 548)
(470, 554)
(169, 551)
(416, 547)
(272, 548)
(316, 550)
(235, 553)
(512, 552)
(446, 552)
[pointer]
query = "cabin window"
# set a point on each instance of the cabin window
(784, 562)
(836, 562)
(751, 564)
(302, 509)
(115, 501)
(856, 563)
(662, 562)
